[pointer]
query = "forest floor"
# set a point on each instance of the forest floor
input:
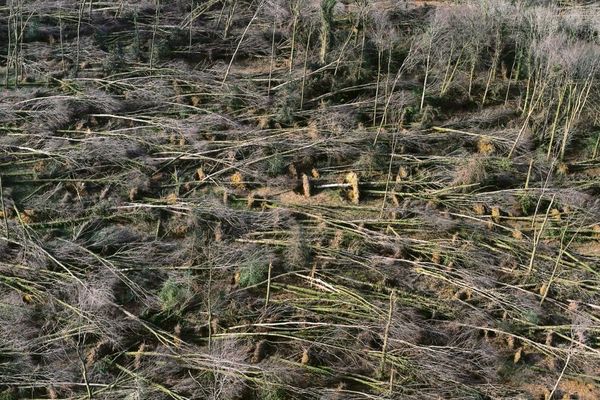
(299, 199)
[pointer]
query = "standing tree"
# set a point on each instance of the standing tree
(326, 26)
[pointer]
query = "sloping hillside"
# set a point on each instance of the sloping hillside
(299, 199)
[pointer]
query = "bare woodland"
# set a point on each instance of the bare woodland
(299, 199)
